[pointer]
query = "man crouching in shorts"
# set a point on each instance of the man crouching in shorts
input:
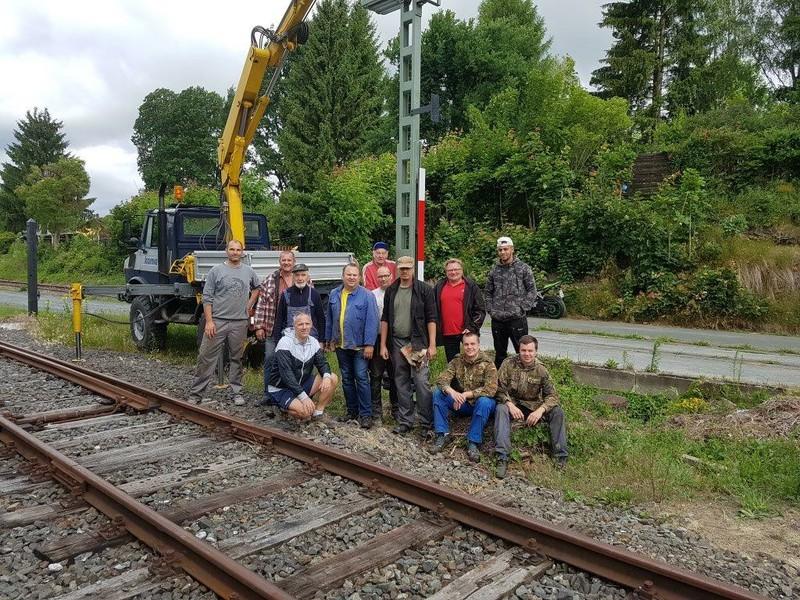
(293, 384)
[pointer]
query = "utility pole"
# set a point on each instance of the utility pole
(410, 194)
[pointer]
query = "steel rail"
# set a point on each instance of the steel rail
(649, 577)
(50, 287)
(177, 547)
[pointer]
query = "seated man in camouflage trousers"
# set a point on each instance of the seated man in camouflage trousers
(466, 387)
(525, 391)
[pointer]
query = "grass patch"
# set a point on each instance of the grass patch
(11, 311)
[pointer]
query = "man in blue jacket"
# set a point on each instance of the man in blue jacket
(351, 328)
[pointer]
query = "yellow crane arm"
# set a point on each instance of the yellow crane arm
(248, 107)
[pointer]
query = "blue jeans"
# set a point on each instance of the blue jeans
(355, 381)
(480, 411)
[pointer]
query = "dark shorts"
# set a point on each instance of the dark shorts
(283, 398)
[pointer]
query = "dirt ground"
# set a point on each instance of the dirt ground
(718, 522)
(777, 417)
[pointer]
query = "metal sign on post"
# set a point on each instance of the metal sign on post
(409, 225)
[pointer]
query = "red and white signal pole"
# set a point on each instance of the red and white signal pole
(421, 226)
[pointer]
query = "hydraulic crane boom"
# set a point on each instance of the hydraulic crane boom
(268, 50)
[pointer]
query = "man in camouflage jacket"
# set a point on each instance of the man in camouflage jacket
(466, 387)
(525, 391)
(510, 295)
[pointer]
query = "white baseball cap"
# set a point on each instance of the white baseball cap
(504, 241)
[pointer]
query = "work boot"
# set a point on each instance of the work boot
(346, 418)
(365, 422)
(561, 462)
(442, 441)
(501, 468)
(473, 453)
(195, 398)
(401, 429)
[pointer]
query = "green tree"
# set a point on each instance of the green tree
(652, 37)
(333, 95)
(467, 62)
(176, 136)
(55, 195)
(39, 141)
(779, 51)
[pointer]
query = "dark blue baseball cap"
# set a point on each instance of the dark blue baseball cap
(380, 246)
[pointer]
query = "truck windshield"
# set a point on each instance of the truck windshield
(208, 226)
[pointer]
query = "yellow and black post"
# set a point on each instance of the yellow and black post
(76, 293)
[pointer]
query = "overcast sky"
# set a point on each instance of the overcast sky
(92, 62)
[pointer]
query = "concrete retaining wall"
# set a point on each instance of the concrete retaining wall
(619, 380)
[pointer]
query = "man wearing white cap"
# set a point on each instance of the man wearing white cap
(510, 295)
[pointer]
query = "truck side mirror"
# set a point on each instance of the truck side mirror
(133, 243)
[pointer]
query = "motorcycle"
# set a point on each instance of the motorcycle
(550, 301)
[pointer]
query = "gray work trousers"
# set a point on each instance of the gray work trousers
(553, 417)
(235, 333)
(403, 375)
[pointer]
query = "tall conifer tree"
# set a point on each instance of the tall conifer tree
(333, 94)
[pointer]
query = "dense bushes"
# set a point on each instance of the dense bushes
(739, 144)
(79, 259)
(707, 296)
(6, 239)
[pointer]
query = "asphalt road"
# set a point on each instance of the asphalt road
(736, 356)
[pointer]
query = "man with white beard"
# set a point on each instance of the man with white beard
(301, 298)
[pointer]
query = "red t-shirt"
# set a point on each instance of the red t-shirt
(370, 273)
(452, 302)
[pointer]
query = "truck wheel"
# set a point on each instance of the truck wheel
(146, 334)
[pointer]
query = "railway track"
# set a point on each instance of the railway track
(250, 511)
(21, 285)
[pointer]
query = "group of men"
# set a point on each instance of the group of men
(384, 332)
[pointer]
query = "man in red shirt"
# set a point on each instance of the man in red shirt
(460, 305)
(380, 258)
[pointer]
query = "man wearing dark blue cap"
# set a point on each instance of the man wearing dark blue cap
(380, 258)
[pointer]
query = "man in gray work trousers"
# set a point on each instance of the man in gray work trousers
(229, 294)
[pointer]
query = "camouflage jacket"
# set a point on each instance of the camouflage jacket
(478, 376)
(530, 386)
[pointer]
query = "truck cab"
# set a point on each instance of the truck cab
(189, 229)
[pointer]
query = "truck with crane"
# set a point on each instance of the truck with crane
(178, 245)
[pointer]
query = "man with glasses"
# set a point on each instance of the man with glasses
(460, 307)
(380, 258)
(378, 366)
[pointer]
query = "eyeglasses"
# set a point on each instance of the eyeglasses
(383, 276)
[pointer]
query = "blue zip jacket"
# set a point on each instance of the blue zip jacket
(361, 320)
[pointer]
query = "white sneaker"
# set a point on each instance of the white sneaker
(238, 400)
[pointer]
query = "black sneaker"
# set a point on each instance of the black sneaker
(473, 453)
(501, 468)
(347, 418)
(365, 422)
(401, 429)
(442, 441)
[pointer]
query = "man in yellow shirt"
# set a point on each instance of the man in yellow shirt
(354, 309)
